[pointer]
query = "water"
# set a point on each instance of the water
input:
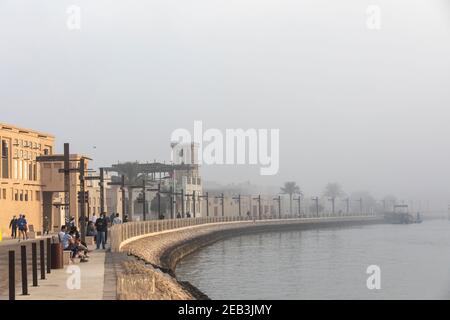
(326, 263)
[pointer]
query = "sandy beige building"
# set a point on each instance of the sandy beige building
(20, 174)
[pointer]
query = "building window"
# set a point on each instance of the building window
(5, 159)
(38, 196)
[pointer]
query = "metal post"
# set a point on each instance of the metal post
(12, 275)
(223, 206)
(316, 199)
(83, 202)
(49, 255)
(34, 263)
(183, 214)
(144, 208)
(102, 189)
(332, 205)
(123, 196)
(238, 198)
(159, 200)
(278, 199)
(193, 203)
(67, 180)
(207, 204)
(258, 198)
(23, 260)
(42, 256)
(172, 214)
(299, 205)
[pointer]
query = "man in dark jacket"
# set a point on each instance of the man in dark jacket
(102, 227)
(13, 227)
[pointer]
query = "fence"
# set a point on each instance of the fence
(121, 233)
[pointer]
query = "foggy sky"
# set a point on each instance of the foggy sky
(369, 109)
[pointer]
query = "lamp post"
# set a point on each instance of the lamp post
(258, 198)
(238, 198)
(316, 200)
(299, 199)
(206, 196)
(332, 205)
(221, 197)
(278, 199)
(347, 207)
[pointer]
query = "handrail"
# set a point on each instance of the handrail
(123, 233)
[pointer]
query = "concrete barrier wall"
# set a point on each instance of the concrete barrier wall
(163, 249)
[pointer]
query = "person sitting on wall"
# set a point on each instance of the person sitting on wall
(61, 234)
(178, 215)
(125, 219)
(81, 246)
(117, 220)
(188, 215)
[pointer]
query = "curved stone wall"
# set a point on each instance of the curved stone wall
(162, 251)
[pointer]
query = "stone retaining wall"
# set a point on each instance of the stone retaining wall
(155, 277)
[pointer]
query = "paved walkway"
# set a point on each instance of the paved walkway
(15, 245)
(77, 281)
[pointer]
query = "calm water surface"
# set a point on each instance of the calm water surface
(326, 264)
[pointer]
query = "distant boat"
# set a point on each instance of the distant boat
(397, 217)
(418, 218)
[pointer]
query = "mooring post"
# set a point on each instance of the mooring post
(34, 263)
(12, 275)
(41, 253)
(23, 261)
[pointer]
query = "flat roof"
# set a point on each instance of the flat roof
(39, 134)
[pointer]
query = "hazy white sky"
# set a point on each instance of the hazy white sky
(370, 109)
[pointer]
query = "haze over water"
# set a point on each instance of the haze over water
(326, 263)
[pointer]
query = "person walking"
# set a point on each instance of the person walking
(102, 227)
(22, 224)
(13, 227)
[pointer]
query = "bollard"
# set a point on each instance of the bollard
(34, 263)
(23, 260)
(49, 255)
(41, 252)
(12, 275)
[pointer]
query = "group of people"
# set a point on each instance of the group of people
(97, 227)
(21, 224)
(71, 241)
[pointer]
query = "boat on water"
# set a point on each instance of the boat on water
(418, 218)
(401, 215)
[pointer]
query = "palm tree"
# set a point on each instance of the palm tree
(333, 191)
(291, 188)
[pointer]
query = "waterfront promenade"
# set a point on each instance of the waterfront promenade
(141, 261)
